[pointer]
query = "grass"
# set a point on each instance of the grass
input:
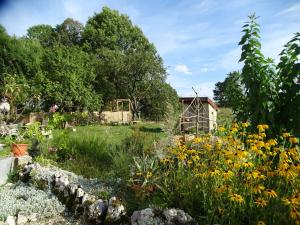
(100, 151)
(5, 152)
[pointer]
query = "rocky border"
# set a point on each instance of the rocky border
(89, 208)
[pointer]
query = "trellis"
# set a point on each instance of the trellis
(194, 116)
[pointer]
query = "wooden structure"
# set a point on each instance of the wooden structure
(120, 113)
(198, 114)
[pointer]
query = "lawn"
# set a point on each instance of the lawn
(99, 151)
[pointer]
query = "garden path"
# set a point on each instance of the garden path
(5, 165)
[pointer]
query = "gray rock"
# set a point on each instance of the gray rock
(21, 220)
(146, 217)
(151, 216)
(177, 216)
(96, 212)
(10, 220)
(115, 209)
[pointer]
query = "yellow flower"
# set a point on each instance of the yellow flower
(293, 140)
(261, 223)
(221, 211)
(270, 193)
(138, 174)
(214, 172)
(258, 189)
(247, 164)
(245, 125)
(227, 174)
(260, 202)
(149, 174)
(294, 213)
(222, 129)
(236, 198)
(285, 135)
(260, 128)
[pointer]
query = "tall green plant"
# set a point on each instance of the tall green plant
(288, 106)
(258, 77)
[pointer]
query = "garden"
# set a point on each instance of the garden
(247, 171)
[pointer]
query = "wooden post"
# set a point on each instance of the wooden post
(197, 118)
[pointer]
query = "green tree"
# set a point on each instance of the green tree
(69, 33)
(129, 64)
(45, 34)
(288, 105)
(68, 79)
(258, 77)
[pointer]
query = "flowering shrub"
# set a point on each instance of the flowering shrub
(236, 177)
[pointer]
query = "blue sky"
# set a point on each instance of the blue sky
(196, 38)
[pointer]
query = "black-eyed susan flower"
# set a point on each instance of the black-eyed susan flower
(227, 174)
(293, 140)
(294, 213)
(260, 202)
(270, 193)
(261, 223)
(257, 189)
(236, 198)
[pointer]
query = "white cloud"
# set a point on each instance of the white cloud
(290, 11)
(207, 69)
(182, 68)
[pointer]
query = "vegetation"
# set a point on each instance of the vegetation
(85, 67)
(264, 92)
(96, 151)
(238, 178)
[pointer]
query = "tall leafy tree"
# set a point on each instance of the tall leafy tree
(68, 79)
(45, 34)
(69, 33)
(128, 63)
(288, 105)
(258, 77)
(230, 91)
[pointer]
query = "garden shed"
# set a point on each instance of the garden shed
(198, 109)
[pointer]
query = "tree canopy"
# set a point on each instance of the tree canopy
(87, 66)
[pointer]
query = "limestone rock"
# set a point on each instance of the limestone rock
(10, 220)
(96, 212)
(151, 216)
(177, 216)
(145, 217)
(115, 209)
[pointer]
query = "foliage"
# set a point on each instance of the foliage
(84, 67)
(258, 76)
(230, 93)
(264, 92)
(237, 177)
(288, 105)
(225, 117)
(95, 151)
